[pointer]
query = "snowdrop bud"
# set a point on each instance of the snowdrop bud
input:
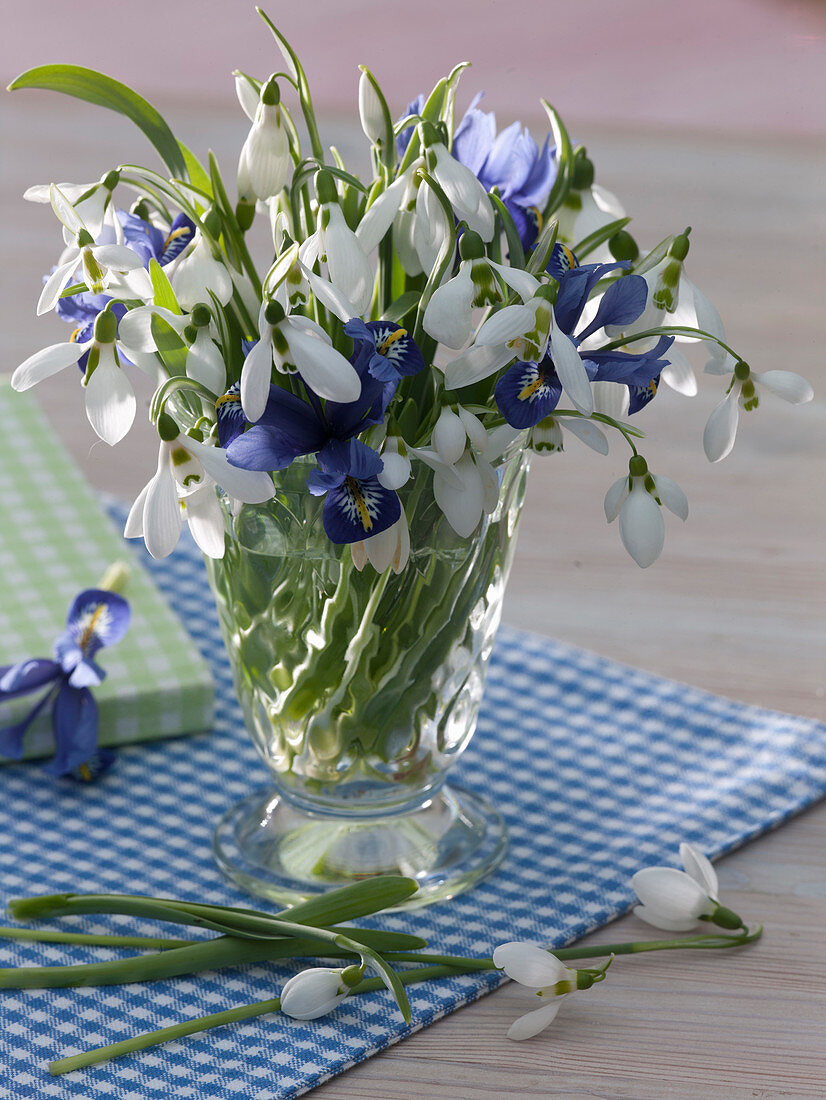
(667, 286)
(371, 113)
(449, 437)
(396, 469)
(314, 993)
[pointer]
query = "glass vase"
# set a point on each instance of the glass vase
(360, 690)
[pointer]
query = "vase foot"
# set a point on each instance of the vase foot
(284, 853)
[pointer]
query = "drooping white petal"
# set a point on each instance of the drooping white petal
(380, 215)
(135, 327)
(657, 920)
(41, 192)
(324, 369)
(473, 427)
(642, 527)
(312, 993)
(431, 458)
(265, 164)
(721, 427)
(55, 285)
(611, 399)
(699, 867)
(462, 507)
(133, 528)
(476, 363)
(371, 114)
(521, 281)
(329, 296)
(162, 513)
(256, 375)
(506, 324)
(672, 894)
(430, 229)
(448, 317)
(571, 371)
(589, 433)
(615, 497)
(110, 399)
(786, 384)
(248, 486)
(45, 363)
(206, 520)
(529, 964)
(65, 211)
(396, 470)
(247, 97)
(533, 1022)
(449, 437)
(678, 373)
(196, 274)
(671, 495)
(499, 440)
(117, 257)
(466, 194)
(205, 364)
(404, 243)
(349, 267)
(359, 554)
(390, 549)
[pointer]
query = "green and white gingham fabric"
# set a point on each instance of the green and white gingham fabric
(55, 540)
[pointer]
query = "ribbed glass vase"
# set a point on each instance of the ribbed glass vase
(360, 690)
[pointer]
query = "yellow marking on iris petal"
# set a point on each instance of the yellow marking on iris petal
(537, 213)
(653, 387)
(531, 388)
(85, 773)
(570, 258)
(225, 399)
(88, 633)
(391, 339)
(181, 231)
(75, 334)
(361, 504)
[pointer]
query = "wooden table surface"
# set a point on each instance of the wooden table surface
(735, 605)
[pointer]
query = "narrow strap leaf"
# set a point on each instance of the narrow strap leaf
(103, 91)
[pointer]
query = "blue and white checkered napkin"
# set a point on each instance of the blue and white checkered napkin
(599, 769)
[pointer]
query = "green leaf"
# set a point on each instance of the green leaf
(544, 247)
(564, 161)
(359, 900)
(103, 91)
(171, 347)
(198, 175)
(515, 250)
(402, 305)
(645, 263)
(598, 237)
(164, 294)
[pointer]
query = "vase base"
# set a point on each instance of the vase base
(287, 854)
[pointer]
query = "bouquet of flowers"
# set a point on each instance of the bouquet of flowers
(479, 294)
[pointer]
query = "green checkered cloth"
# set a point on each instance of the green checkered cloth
(55, 540)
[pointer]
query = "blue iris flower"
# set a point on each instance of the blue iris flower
(95, 619)
(527, 392)
(511, 161)
(357, 505)
(150, 243)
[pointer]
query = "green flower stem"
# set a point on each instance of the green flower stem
(165, 1035)
(147, 943)
(440, 966)
(668, 330)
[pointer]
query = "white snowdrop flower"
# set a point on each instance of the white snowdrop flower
(335, 243)
(546, 437)
(383, 211)
(265, 164)
(371, 111)
(396, 469)
(97, 264)
(317, 991)
(204, 362)
(449, 437)
(197, 272)
(294, 343)
(186, 466)
(390, 549)
(430, 228)
(465, 193)
(744, 392)
(110, 399)
(448, 317)
(91, 201)
(678, 901)
(637, 500)
(547, 977)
